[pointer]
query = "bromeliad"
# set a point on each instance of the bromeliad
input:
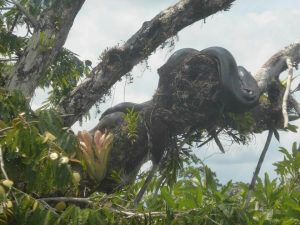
(95, 152)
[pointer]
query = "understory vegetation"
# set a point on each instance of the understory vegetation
(42, 183)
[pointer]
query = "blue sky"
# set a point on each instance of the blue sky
(252, 30)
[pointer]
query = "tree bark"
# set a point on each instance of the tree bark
(277, 64)
(46, 42)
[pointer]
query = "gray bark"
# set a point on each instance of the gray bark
(277, 64)
(47, 40)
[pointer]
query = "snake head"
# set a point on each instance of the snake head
(249, 87)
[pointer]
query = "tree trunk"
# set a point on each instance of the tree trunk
(46, 42)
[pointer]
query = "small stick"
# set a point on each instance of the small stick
(257, 169)
(2, 164)
(287, 91)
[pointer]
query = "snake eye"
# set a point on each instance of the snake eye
(248, 91)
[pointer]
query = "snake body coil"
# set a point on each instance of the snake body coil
(240, 87)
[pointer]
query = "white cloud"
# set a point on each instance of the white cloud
(264, 18)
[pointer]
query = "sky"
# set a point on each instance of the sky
(252, 30)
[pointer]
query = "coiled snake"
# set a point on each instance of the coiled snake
(236, 80)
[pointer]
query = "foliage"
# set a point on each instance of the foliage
(36, 146)
(28, 139)
(131, 120)
(63, 75)
(39, 159)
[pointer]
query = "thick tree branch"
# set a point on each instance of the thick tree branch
(120, 60)
(287, 92)
(43, 47)
(277, 64)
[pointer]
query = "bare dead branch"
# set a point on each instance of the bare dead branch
(277, 64)
(287, 92)
(257, 169)
(2, 164)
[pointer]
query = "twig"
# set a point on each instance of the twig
(158, 185)
(24, 11)
(45, 204)
(14, 23)
(2, 164)
(130, 214)
(219, 144)
(8, 60)
(66, 199)
(176, 214)
(287, 91)
(5, 129)
(210, 138)
(257, 169)
(5, 174)
(146, 184)
(295, 104)
(6, 8)
(215, 222)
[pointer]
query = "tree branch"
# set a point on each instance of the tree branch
(257, 169)
(277, 64)
(25, 12)
(14, 23)
(5, 129)
(287, 92)
(6, 8)
(2, 164)
(9, 60)
(120, 60)
(66, 199)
